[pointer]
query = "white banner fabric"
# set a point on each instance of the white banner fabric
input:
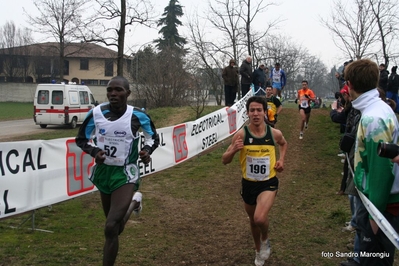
(39, 173)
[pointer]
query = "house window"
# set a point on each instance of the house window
(109, 68)
(66, 67)
(90, 81)
(104, 82)
(84, 64)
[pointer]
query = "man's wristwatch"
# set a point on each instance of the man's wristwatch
(147, 150)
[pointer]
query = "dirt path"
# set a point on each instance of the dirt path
(206, 221)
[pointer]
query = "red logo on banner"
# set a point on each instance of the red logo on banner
(179, 143)
(78, 165)
(232, 118)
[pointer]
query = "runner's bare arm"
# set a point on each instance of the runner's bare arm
(283, 145)
(279, 109)
(236, 145)
(312, 96)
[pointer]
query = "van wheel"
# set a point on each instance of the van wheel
(43, 125)
(73, 123)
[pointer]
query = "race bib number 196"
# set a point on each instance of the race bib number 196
(258, 168)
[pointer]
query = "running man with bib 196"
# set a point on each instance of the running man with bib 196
(256, 144)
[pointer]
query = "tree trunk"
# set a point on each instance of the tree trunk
(121, 39)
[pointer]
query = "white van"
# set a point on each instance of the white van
(61, 104)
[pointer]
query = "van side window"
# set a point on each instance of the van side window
(43, 97)
(73, 97)
(84, 97)
(57, 97)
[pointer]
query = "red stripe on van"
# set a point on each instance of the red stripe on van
(61, 111)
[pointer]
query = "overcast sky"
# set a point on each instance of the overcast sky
(301, 22)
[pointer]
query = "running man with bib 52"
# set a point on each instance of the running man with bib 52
(305, 96)
(257, 146)
(116, 174)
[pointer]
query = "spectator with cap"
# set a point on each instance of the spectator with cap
(259, 79)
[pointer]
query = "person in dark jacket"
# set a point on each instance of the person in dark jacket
(230, 78)
(383, 81)
(246, 75)
(259, 79)
(393, 87)
(339, 115)
(347, 144)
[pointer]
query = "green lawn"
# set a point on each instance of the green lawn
(12, 111)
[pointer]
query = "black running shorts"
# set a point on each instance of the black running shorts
(250, 189)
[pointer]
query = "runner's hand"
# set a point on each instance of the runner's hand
(145, 156)
(100, 157)
(238, 144)
(279, 166)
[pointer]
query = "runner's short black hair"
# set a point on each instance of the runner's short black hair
(257, 99)
(124, 81)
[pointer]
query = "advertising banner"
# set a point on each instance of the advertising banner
(39, 173)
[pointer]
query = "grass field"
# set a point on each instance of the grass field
(193, 213)
(12, 111)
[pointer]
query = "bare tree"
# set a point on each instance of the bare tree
(61, 19)
(248, 14)
(199, 93)
(386, 17)
(314, 71)
(110, 22)
(9, 43)
(24, 40)
(332, 85)
(224, 17)
(353, 28)
(282, 49)
(15, 53)
(211, 58)
(232, 18)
